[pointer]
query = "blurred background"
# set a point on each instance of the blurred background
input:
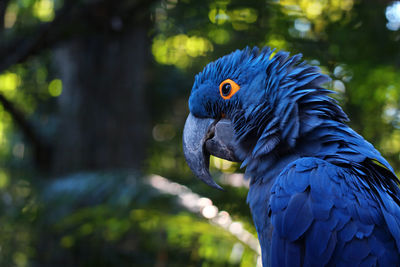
(93, 98)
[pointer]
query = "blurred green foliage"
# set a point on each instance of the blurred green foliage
(116, 218)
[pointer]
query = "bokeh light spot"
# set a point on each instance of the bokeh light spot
(302, 25)
(218, 16)
(219, 36)
(44, 10)
(339, 86)
(318, 12)
(393, 16)
(55, 87)
(20, 259)
(9, 81)
(3, 179)
(247, 15)
(276, 41)
(67, 241)
(221, 164)
(236, 228)
(10, 16)
(179, 49)
(314, 9)
(210, 211)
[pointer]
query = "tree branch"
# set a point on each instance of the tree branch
(19, 118)
(75, 18)
(19, 49)
(41, 149)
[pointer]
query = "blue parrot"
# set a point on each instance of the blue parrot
(320, 195)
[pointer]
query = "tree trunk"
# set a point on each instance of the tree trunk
(103, 115)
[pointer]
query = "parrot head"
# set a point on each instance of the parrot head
(249, 103)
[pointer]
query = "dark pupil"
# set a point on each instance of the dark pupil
(226, 89)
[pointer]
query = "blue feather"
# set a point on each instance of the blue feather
(297, 218)
(319, 193)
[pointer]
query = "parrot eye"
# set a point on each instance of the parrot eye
(228, 88)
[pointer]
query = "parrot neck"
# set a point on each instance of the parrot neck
(317, 138)
(326, 139)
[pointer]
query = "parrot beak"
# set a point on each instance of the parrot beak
(205, 137)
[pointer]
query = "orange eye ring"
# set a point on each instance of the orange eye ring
(228, 88)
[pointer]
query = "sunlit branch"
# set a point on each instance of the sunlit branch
(204, 207)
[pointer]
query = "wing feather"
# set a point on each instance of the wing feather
(323, 214)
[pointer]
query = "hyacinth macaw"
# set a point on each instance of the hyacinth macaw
(320, 195)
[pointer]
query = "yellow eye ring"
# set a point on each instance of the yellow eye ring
(228, 88)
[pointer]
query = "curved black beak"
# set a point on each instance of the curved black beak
(205, 137)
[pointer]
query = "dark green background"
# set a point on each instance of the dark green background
(93, 98)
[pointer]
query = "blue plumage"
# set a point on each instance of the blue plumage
(320, 195)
